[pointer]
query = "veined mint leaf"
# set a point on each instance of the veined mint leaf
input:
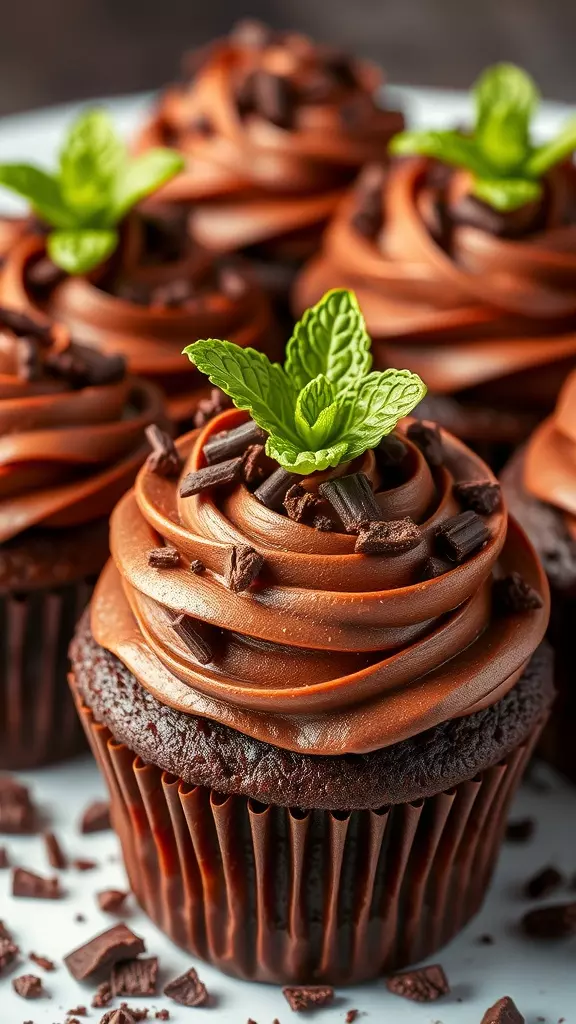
(507, 194)
(545, 157)
(330, 339)
(91, 159)
(294, 460)
(448, 146)
(142, 176)
(506, 98)
(80, 251)
(252, 382)
(40, 189)
(316, 411)
(374, 405)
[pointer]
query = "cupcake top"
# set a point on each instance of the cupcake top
(315, 575)
(272, 126)
(469, 240)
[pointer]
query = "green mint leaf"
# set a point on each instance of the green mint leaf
(252, 382)
(330, 339)
(506, 98)
(39, 189)
(507, 194)
(545, 157)
(142, 176)
(374, 405)
(91, 159)
(80, 251)
(290, 456)
(316, 412)
(450, 147)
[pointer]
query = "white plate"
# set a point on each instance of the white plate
(540, 977)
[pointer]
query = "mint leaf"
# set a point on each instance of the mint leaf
(551, 153)
(506, 99)
(142, 176)
(252, 382)
(448, 146)
(91, 160)
(40, 189)
(290, 456)
(374, 405)
(80, 251)
(316, 411)
(507, 194)
(330, 339)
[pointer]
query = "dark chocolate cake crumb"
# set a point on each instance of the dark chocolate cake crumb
(28, 986)
(352, 498)
(481, 496)
(423, 985)
(427, 437)
(17, 812)
(231, 443)
(187, 990)
(504, 1011)
(42, 961)
(164, 459)
(520, 830)
(244, 565)
(111, 901)
(208, 408)
(187, 629)
(84, 864)
(555, 922)
(388, 538)
(103, 951)
(197, 567)
(102, 996)
(543, 883)
(164, 558)
(54, 852)
(434, 567)
(28, 884)
(96, 817)
(300, 504)
(461, 537)
(512, 595)
(135, 977)
(219, 475)
(323, 523)
(308, 997)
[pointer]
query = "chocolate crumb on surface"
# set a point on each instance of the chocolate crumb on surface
(308, 997)
(120, 1016)
(486, 940)
(78, 1011)
(300, 504)
(137, 1014)
(111, 901)
(164, 459)
(103, 996)
(164, 558)
(388, 538)
(427, 437)
(8, 948)
(543, 883)
(30, 885)
(42, 961)
(162, 1015)
(512, 595)
(187, 990)
(481, 496)
(96, 817)
(54, 852)
(353, 500)
(18, 814)
(84, 864)
(197, 567)
(189, 632)
(244, 565)
(555, 922)
(103, 951)
(28, 986)
(504, 1011)
(461, 536)
(351, 1016)
(219, 475)
(135, 977)
(422, 985)
(520, 830)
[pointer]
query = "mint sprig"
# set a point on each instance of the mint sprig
(95, 185)
(323, 407)
(506, 167)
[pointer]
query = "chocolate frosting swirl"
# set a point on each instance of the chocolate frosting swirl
(274, 127)
(329, 652)
(457, 292)
(550, 459)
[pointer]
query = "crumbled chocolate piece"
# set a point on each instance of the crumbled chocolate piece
(136, 1014)
(309, 997)
(272, 492)
(103, 951)
(230, 443)
(84, 864)
(96, 817)
(135, 977)
(164, 558)
(83, 366)
(512, 595)
(28, 884)
(187, 629)
(481, 496)
(323, 523)
(521, 830)
(555, 922)
(8, 948)
(4, 859)
(486, 940)
(352, 498)
(390, 452)
(111, 901)
(273, 98)
(78, 1011)
(187, 990)
(54, 852)
(393, 538)
(300, 504)
(504, 1011)
(422, 985)
(162, 1015)
(219, 475)
(121, 1016)
(434, 567)
(351, 1016)
(164, 459)
(102, 996)
(461, 536)
(368, 217)
(427, 437)
(28, 986)
(42, 961)
(208, 408)
(17, 812)
(79, 918)
(256, 464)
(197, 567)
(244, 565)
(543, 883)
(28, 359)
(24, 326)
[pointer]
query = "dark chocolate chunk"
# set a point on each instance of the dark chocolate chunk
(352, 498)
(273, 98)
(512, 595)
(187, 990)
(197, 567)
(120, 1016)
(82, 366)
(111, 901)
(211, 476)
(392, 538)
(309, 997)
(368, 217)
(164, 459)
(208, 408)
(300, 504)
(543, 883)
(256, 465)
(136, 1014)
(135, 977)
(504, 1011)
(103, 951)
(555, 922)
(422, 985)
(28, 986)
(102, 996)
(244, 565)
(427, 437)
(273, 491)
(54, 852)
(8, 948)
(4, 859)
(96, 817)
(28, 884)
(521, 830)
(461, 536)
(224, 446)
(482, 496)
(164, 558)
(84, 864)
(42, 961)
(187, 629)
(323, 523)
(390, 452)
(351, 1016)
(28, 359)
(17, 812)
(24, 326)
(434, 567)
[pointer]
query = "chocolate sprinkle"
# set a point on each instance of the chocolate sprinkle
(17, 812)
(164, 558)
(54, 852)
(555, 922)
(211, 476)
(427, 437)
(309, 997)
(461, 536)
(272, 492)
(521, 830)
(196, 643)
(162, 1015)
(543, 883)
(512, 595)
(221, 447)
(388, 538)
(481, 496)
(111, 901)
(28, 884)
(423, 985)
(135, 977)
(352, 498)
(504, 1011)
(103, 951)
(164, 459)
(42, 961)
(96, 817)
(187, 990)
(28, 986)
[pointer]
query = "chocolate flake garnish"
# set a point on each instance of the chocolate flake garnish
(184, 626)
(256, 464)
(273, 98)
(28, 986)
(42, 961)
(423, 985)
(197, 567)
(481, 496)
(102, 996)
(84, 864)
(135, 977)
(187, 990)
(323, 523)
(103, 951)
(427, 437)
(272, 492)
(392, 538)
(96, 817)
(301, 504)
(208, 408)
(163, 558)
(352, 498)
(211, 476)
(243, 567)
(111, 901)
(521, 830)
(17, 812)
(555, 922)
(434, 567)
(543, 883)
(504, 1011)
(512, 595)
(54, 852)
(461, 536)
(4, 859)
(309, 997)
(368, 217)
(28, 884)
(164, 459)
(230, 443)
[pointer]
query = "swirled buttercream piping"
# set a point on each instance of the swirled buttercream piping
(550, 462)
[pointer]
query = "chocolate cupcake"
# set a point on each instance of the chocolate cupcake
(147, 298)
(463, 256)
(71, 440)
(273, 128)
(540, 487)
(311, 702)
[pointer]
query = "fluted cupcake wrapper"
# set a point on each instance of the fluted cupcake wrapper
(38, 721)
(282, 895)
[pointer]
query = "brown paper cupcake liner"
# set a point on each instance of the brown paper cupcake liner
(281, 895)
(38, 721)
